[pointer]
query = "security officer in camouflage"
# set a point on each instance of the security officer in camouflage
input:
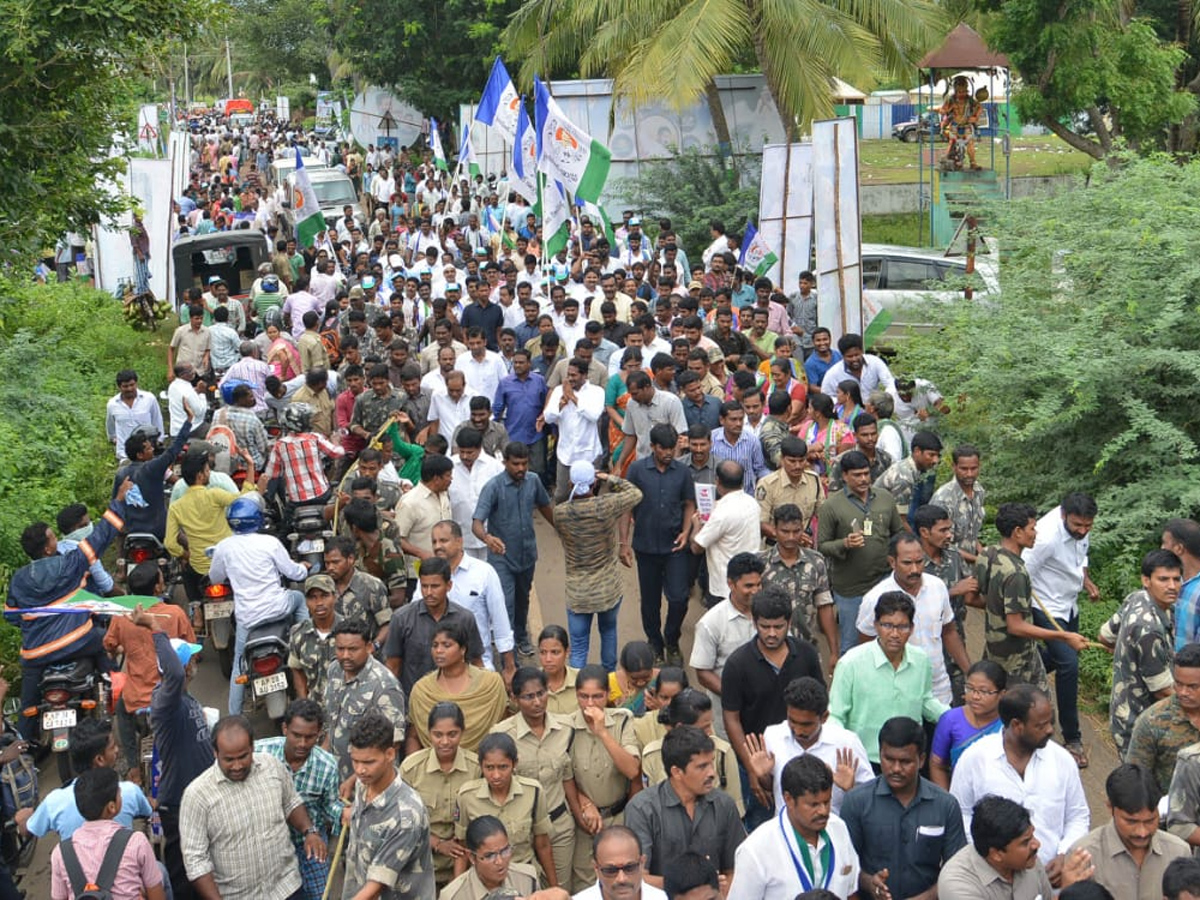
(359, 684)
(358, 595)
(935, 531)
(1141, 634)
(309, 653)
(1010, 637)
(963, 497)
(803, 573)
(375, 407)
(911, 480)
(1163, 730)
(388, 843)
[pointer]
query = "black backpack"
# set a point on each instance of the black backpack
(101, 888)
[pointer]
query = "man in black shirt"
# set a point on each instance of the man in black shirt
(752, 685)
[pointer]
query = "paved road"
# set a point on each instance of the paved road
(548, 607)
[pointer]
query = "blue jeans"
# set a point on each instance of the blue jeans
(297, 613)
(1059, 658)
(847, 613)
(516, 584)
(580, 627)
(756, 813)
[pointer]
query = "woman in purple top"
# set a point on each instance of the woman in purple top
(964, 725)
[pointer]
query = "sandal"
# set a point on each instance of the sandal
(1075, 748)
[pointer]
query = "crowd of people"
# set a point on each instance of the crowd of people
(431, 387)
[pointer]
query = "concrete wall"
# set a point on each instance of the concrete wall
(888, 199)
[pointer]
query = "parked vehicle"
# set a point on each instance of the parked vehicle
(919, 129)
(334, 191)
(233, 255)
(66, 691)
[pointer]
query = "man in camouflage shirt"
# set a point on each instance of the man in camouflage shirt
(943, 561)
(1183, 805)
(802, 573)
(375, 554)
(1010, 637)
(358, 684)
(963, 498)
(1141, 634)
(910, 481)
(866, 437)
(310, 647)
(1171, 724)
(373, 408)
(358, 595)
(388, 847)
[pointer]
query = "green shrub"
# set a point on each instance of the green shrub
(60, 348)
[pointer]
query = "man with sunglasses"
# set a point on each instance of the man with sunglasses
(619, 864)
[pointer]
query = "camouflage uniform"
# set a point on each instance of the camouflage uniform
(1008, 590)
(365, 599)
(771, 434)
(389, 843)
(950, 571)
(806, 583)
(1144, 648)
(1183, 810)
(882, 462)
(374, 689)
(907, 484)
(1158, 735)
(965, 512)
(371, 411)
(312, 655)
(385, 561)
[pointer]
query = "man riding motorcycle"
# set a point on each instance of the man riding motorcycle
(253, 564)
(295, 460)
(49, 579)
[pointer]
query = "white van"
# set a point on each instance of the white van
(334, 191)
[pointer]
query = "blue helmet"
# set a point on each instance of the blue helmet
(228, 388)
(245, 515)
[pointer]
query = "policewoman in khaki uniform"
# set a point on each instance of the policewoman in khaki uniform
(607, 767)
(437, 773)
(492, 868)
(553, 650)
(520, 803)
(544, 750)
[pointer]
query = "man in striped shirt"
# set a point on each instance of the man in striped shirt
(730, 441)
(296, 458)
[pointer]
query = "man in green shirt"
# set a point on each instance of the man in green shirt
(853, 530)
(886, 678)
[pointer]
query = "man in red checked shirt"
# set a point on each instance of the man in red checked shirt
(296, 458)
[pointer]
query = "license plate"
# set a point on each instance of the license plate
(58, 718)
(222, 609)
(313, 545)
(264, 686)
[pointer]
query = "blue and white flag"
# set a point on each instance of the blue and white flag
(499, 104)
(756, 256)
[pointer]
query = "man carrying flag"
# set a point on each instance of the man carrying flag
(756, 256)
(305, 207)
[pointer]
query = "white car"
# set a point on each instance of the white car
(895, 277)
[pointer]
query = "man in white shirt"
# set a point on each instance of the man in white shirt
(771, 864)
(253, 564)
(181, 391)
(807, 729)
(619, 863)
(731, 529)
(451, 407)
(475, 586)
(572, 328)
(933, 625)
(1058, 571)
(866, 368)
(483, 368)
(472, 470)
(725, 627)
(323, 285)
(575, 406)
(1022, 764)
(129, 408)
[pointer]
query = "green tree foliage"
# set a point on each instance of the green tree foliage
(1089, 77)
(1085, 373)
(691, 189)
(672, 49)
(437, 54)
(67, 70)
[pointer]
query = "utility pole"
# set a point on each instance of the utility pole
(187, 81)
(229, 67)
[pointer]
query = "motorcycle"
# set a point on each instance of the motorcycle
(307, 540)
(66, 689)
(218, 622)
(264, 665)
(140, 547)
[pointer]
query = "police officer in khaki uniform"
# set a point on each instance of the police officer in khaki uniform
(544, 742)
(492, 867)
(437, 773)
(607, 768)
(792, 482)
(520, 803)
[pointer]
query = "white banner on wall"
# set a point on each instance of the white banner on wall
(839, 236)
(148, 181)
(785, 210)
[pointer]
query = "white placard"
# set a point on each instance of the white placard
(839, 236)
(785, 210)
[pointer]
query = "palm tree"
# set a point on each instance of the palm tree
(673, 49)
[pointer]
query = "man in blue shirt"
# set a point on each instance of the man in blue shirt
(503, 520)
(1182, 537)
(518, 406)
(822, 359)
(92, 745)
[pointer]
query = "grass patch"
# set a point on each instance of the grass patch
(892, 162)
(894, 228)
